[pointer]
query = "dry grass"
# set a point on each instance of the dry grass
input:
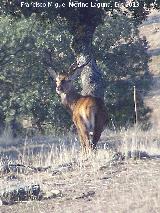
(115, 185)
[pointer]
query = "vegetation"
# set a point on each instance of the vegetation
(25, 87)
(53, 169)
(26, 33)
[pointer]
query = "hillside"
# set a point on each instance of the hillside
(151, 29)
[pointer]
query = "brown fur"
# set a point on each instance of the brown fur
(88, 113)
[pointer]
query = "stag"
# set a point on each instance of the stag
(88, 113)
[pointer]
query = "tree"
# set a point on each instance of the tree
(122, 54)
(26, 89)
(82, 22)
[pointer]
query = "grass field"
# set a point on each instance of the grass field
(101, 182)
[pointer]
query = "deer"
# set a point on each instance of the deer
(88, 113)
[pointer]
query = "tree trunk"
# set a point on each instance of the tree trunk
(92, 81)
(91, 76)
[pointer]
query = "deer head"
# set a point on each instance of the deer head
(64, 81)
(63, 84)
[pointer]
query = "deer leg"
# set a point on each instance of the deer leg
(96, 137)
(99, 127)
(83, 135)
(83, 147)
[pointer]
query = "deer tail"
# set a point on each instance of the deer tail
(92, 126)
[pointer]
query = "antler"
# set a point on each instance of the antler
(72, 68)
(76, 70)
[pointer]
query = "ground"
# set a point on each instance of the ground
(128, 187)
(116, 179)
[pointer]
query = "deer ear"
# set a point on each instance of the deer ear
(52, 73)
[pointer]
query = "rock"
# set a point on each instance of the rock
(52, 194)
(118, 157)
(20, 193)
(12, 177)
(104, 167)
(20, 168)
(42, 169)
(63, 168)
(4, 169)
(136, 154)
(86, 195)
(105, 178)
(16, 168)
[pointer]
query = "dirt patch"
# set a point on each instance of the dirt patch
(130, 186)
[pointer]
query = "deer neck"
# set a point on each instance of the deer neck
(70, 99)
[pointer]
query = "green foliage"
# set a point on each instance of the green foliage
(81, 21)
(25, 87)
(123, 57)
(27, 91)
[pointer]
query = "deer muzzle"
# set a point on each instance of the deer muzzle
(59, 89)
